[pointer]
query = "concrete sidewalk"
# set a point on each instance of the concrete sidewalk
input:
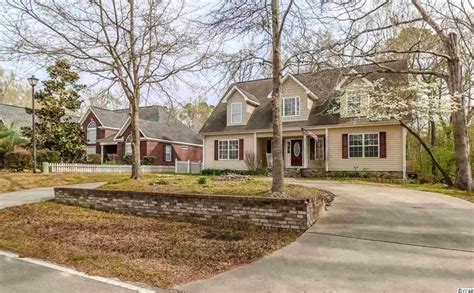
(31, 275)
(372, 239)
(15, 198)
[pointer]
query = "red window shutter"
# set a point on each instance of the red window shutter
(216, 150)
(311, 148)
(345, 146)
(383, 144)
(241, 149)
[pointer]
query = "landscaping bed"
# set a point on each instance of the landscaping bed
(168, 183)
(159, 252)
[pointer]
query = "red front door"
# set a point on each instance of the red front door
(297, 152)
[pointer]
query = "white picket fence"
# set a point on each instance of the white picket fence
(187, 167)
(95, 168)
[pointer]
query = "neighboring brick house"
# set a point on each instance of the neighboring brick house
(314, 140)
(163, 137)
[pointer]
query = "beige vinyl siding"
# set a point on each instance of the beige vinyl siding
(247, 109)
(209, 161)
(291, 88)
(394, 142)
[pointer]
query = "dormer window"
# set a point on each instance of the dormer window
(354, 104)
(91, 132)
(236, 113)
(291, 106)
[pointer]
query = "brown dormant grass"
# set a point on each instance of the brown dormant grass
(159, 252)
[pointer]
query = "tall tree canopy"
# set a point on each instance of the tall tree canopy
(136, 46)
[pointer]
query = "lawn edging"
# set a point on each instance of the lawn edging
(272, 213)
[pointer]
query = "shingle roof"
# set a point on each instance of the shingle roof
(15, 114)
(155, 122)
(110, 118)
(321, 83)
(169, 130)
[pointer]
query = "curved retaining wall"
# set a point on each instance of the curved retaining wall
(293, 214)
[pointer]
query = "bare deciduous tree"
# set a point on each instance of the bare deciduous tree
(135, 45)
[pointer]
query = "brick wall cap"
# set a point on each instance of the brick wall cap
(141, 194)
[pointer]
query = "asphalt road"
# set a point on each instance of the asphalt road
(373, 239)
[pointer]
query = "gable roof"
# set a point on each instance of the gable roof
(322, 84)
(157, 123)
(107, 118)
(14, 114)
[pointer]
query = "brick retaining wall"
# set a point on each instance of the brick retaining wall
(294, 214)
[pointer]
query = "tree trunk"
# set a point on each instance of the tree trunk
(446, 177)
(277, 153)
(432, 143)
(458, 118)
(135, 131)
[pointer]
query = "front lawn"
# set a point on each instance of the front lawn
(189, 184)
(159, 252)
(17, 181)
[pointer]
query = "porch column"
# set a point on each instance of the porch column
(255, 148)
(101, 154)
(304, 152)
(404, 153)
(326, 149)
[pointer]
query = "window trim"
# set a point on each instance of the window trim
(363, 145)
(170, 148)
(228, 150)
(297, 110)
(128, 143)
(350, 113)
(320, 139)
(92, 122)
(232, 112)
(89, 147)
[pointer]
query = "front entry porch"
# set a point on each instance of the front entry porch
(299, 152)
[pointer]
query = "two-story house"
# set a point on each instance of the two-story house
(163, 137)
(314, 137)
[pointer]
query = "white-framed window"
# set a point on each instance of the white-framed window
(291, 106)
(91, 132)
(319, 148)
(168, 153)
(236, 113)
(184, 147)
(91, 149)
(128, 145)
(354, 104)
(229, 149)
(364, 145)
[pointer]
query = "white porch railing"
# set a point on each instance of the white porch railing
(187, 167)
(95, 168)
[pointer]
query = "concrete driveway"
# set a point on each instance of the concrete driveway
(373, 239)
